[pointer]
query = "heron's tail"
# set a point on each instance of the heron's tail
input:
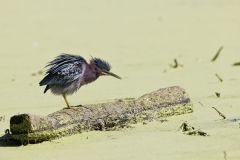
(47, 88)
(45, 81)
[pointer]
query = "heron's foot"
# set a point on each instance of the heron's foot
(69, 107)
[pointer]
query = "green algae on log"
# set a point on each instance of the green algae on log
(28, 128)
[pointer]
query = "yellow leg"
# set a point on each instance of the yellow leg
(65, 99)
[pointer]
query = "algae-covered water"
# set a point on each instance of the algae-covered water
(140, 39)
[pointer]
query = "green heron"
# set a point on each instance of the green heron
(67, 73)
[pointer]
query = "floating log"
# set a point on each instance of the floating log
(28, 128)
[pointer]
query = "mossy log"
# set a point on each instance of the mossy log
(28, 128)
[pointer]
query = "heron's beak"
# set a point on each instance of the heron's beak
(104, 72)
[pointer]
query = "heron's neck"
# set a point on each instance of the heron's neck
(91, 73)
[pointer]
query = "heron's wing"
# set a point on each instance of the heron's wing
(62, 61)
(64, 69)
(67, 73)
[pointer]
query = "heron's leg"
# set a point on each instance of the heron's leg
(65, 99)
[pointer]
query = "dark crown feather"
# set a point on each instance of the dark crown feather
(102, 64)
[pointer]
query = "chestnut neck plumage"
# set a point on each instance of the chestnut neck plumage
(91, 73)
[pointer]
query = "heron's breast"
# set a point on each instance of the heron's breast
(68, 88)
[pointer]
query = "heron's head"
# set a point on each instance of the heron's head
(103, 67)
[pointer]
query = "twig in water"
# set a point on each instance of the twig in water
(217, 54)
(201, 104)
(190, 130)
(218, 94)
(236, 64)
(220, 114)
(176, 64)
(219, 78)
(225, 155)
(2, 118)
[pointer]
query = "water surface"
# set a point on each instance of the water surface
(140, 39)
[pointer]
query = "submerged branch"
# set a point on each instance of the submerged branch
(219, 78)
(220, 114)
(217, 54)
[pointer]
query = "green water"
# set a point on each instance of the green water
(140, 39)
